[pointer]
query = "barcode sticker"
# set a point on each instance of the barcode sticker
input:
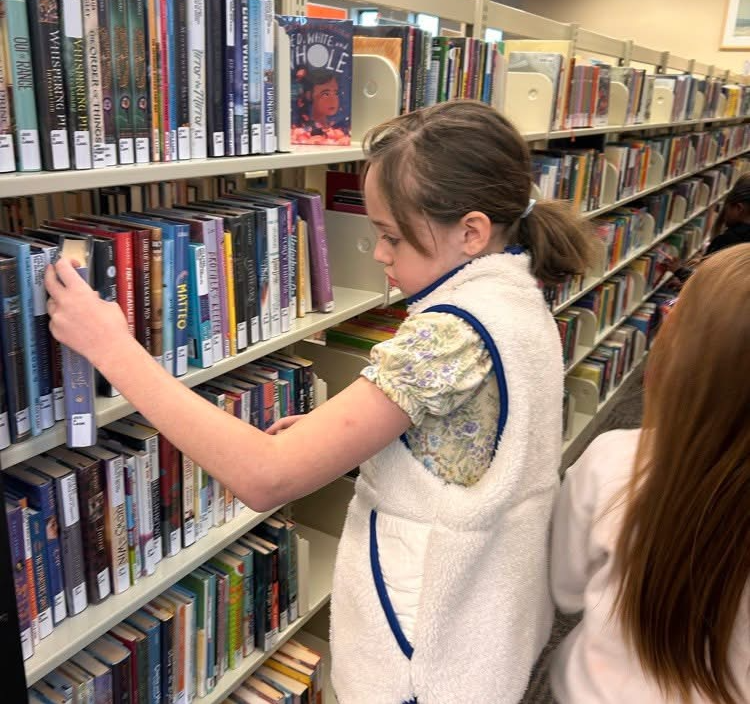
(142, 151)
(238, 506)
(102, 581)
(58, 400)
(173, 145)
(31, 159)
(22, 421)
(183, 142)
(255, 329)
(169, 361)
(126, 151)
(7, 154)
(245, 143)
(218, 144)
(208, 353)
(283, 620)
(111, 154)
(60, 151)
(100, 156)
(242, 335)
(149, 557)
(27, 647)
(158, 550)
(218, 353)
(59, 607)
(4, 430)
(81, 144)
(174, 542)
(73, 18)
(189, 532)
(81, 429)
(229, 19)
(47, 411)
(69, 500)
(182, 360)
(116, 483)
(122, 579)
(79, 598)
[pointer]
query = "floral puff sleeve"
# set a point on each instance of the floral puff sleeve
(433, 365)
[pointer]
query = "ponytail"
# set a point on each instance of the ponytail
(559, 240)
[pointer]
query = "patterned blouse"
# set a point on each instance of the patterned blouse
(438, 371)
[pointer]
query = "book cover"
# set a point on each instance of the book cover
(46, 42)
(123, 104)
(321, 67)
(138, 53)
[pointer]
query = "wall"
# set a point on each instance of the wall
(688, 28)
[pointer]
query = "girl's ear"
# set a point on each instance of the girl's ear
(476, 233)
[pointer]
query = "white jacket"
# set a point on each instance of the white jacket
(440, 591)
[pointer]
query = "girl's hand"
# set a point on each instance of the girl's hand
(78, 317)
(283, 424)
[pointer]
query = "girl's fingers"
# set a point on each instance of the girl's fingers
(51, 307)
(67, 274)
(53, 285)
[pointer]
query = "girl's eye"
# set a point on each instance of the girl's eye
(393, 241)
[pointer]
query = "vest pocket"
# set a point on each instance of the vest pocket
(397, 550)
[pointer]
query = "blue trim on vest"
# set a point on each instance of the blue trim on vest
(405, 440)
(385, 600)
(515, 249)
(497, 362)
(412, 701)
(439, 282)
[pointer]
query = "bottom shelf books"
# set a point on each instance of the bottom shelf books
(292, 675)
(180, 644)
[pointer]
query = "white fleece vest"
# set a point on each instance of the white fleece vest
(478, 556)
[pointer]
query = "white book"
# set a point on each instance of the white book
(303, 575)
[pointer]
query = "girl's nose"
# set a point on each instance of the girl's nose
(380, 253)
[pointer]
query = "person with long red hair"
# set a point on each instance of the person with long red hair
(651, 532)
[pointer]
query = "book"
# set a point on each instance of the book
(118, 658)
(14, 516)
(99, 671)
(321, 68)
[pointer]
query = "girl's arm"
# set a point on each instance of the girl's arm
(263, 470)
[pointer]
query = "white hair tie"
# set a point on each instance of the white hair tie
(529, 208)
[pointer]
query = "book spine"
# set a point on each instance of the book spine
(105, 284)
(173, 80)
(30, 577)
(181, 287)
(188, 501)
(320, 272)
(93, 72)
(200, 346)
(66, 490)
(169, 487)
(152, 447)
(14, 516)
(43, 342)
(255, 75)
(274, 270)
(14, 366)
(116, 524)
(231, 303)
(91, 501)
(168, 307)
(242, 77)
(78, 377)
(284, 282)
(292, 571)
(166, 85)
(142, 286)
(221, 266)
(7, 152)
(197, 71)
(239, 274)
(212, 261)
(228, 27)
(291, 245)
(48, 507)
(143, 478)
(154, 77)
(215, 78)
(123, 102)
(269, 88)
(138, 55)
(107, 81)
(252, 315)
(182, 30)
(28, 152)
(132, 517)
(46, 42)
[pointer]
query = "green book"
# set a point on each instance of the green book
(234, 567)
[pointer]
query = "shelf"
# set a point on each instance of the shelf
(349, 302)
(37, 182)
(77, 632)
(324, 648)
(590, 214)
(635, 254)
(322, 557)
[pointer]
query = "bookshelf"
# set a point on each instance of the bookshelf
(74, 633)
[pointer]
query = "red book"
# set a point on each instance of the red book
(169, 482)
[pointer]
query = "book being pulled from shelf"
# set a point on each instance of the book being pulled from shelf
(180, 644)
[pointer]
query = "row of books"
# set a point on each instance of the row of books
(197, 283)
(577, 174)
(619, 233)
(568, 325)
(610, 300)
(292, 675)
(103, 517)
(180, 644)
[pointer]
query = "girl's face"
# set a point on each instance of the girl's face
(735, 213)
(405, 266)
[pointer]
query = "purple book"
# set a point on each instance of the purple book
(14, 514)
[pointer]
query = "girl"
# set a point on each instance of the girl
(439, 590)
(650, 534)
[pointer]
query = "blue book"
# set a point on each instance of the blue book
(211, 656)
(14, 517)
(151, 628)
(268, 96)
(241, 79)
(40, 493)
(41, 572)
(21, 251)
(255, 76)
(172, 69)
(99, 671)
(200, 344)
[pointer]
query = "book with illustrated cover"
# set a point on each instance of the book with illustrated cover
(7, 152)
(123, 105)
(137, 52)
(321, 67)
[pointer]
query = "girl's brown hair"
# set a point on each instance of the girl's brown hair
(448, 160)
(682, 553)
(740, 193)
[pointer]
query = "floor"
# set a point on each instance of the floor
(626, 413)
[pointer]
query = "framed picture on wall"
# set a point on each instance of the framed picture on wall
(736, 34)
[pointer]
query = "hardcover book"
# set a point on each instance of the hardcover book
(321, 67)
